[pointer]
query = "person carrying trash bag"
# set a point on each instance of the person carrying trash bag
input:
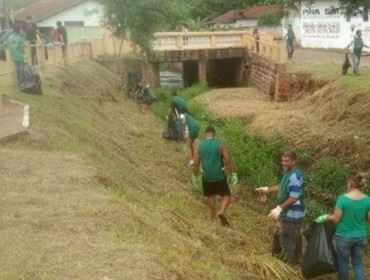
(351, 216)
(290, 210)
(213, 156)
(357, 46)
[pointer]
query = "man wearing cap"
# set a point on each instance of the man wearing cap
(213, 155)
(191, 132)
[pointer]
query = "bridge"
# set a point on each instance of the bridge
(221, 58)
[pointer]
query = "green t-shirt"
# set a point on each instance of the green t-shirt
(16, 44)
(180, 104)
(358, 45)
(354, 216)
(211, 159)
(193, 126)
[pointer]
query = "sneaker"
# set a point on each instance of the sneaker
(223, 220)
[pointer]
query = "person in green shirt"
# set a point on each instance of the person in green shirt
(352, 216)
(290, 39)
(190, 128)
(16, 44)
(178, 106)
(212, 155)
(357, 46)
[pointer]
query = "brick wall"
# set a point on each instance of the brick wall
(290, 86)
(263, 74)
(273, 80)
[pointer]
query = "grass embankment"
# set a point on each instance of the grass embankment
(257, 157)
(330, 73)
(95, 193)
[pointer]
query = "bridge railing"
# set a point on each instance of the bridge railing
(265, 46)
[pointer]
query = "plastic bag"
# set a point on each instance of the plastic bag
(32, 81)
(319, 257)
(346, 64)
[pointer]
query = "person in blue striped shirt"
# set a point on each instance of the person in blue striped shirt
(290, 210)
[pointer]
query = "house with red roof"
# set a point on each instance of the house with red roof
(247, 18)
(82, 18)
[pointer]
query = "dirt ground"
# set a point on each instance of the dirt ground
(329, 122)
(325, 56)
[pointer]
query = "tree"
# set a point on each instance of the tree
(137, 20)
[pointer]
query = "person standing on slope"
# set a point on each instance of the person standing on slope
(212, 155)
(178, 107)
(190, 128)
(352, 216)
(290, 210)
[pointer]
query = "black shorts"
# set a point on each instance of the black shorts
(216, 188)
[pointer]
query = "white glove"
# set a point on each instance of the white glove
(275, 213)
(262, 190)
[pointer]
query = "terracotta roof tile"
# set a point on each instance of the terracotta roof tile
(230, 16)
(45, 8)
(254, 12)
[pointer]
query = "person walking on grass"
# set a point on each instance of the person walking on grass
(352, 216)
(356, 46)
(16, 44)
(190, 129)
(212, 155)
(290, 210)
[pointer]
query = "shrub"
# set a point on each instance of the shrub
(315, 209)
(255, 157)
(193, 91)
(330, 176)
(270, 20)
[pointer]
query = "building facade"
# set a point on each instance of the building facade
(323, 25)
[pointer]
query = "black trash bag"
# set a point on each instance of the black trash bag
(32, 81)
(346, 64)
(170, 131)
(319, 257)
(276, 249)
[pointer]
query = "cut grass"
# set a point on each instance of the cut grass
(332, 72)
(148, 224)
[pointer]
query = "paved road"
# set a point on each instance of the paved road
(324, 56)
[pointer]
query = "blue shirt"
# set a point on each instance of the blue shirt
(291, 186)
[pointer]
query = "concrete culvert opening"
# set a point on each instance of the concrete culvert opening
(190, 73)
(223, 73)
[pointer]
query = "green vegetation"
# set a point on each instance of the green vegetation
(270, 20)
(257, 157)
(330, 72)
(329, 176)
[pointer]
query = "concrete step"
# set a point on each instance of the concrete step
(14, 120)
